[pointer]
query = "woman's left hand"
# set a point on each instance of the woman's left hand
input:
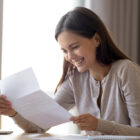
(85, 122)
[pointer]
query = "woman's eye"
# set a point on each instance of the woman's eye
(64, 51)
(75, 47)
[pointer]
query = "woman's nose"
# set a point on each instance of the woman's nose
(70, 56)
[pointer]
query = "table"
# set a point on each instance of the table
(46, 136)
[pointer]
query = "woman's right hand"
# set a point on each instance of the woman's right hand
(6, 107)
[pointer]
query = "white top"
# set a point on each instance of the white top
(119, 112)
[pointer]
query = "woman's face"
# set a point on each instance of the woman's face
(78, 50)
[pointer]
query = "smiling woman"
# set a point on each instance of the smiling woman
(28, 41)
(98, 78)
(99, 82)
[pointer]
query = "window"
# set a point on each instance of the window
(28, 41)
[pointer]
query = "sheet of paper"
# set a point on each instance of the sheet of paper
(19, 84)
(22, 89)
(38, 107)
(67, 137)
(105, 137)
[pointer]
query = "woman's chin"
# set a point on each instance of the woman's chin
(81, 69)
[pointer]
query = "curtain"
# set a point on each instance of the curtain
(122, 19)
(1, 11)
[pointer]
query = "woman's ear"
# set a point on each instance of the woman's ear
(96, 40)
(97, 37)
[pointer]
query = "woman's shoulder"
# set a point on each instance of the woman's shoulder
(76, 75)
(125, 65)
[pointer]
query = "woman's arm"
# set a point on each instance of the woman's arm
(6, 109)
(113, 128)
(129, 79)
(64, 96)
(88, 122)
(27, 126)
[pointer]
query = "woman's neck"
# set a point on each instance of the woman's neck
(99, 71)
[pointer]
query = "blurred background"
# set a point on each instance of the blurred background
(27, 39)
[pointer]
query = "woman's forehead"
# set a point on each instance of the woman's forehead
(68, 36)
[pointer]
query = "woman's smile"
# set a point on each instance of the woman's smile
(78, 50)
(78, 62)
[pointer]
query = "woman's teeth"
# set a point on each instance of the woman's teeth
(78, 62)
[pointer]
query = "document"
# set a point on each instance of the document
(104, 137)
(23, 90)
(81, 137)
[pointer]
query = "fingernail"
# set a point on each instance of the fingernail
(3, 96)
(9, 103)
(71, 119)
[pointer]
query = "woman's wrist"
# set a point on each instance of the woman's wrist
(13, 114)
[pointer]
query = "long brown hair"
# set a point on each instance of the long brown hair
(86, 23)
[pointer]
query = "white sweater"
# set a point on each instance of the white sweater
(119, 112)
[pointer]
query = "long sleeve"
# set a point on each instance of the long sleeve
(113, 128)
(130, 89)
(27, 126)
(64, 95)
(129, 78)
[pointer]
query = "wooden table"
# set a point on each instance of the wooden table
(58, 137)
(23, 136)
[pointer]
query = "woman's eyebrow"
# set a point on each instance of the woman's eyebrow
(73, 44)
(69, 46)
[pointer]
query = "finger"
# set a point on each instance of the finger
(9, 112)
(4, 106)
(83, 126)
(81, 117)
(83, 120)
(3, 97)
(3, 110)
(6, 103)
(84, 116)
(74, 118)
(78, 119)
(2, 102)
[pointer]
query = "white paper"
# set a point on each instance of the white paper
(23, 90)
(69, 137)
(104, 137)
(19, 84)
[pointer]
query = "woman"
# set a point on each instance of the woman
(97, 77)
